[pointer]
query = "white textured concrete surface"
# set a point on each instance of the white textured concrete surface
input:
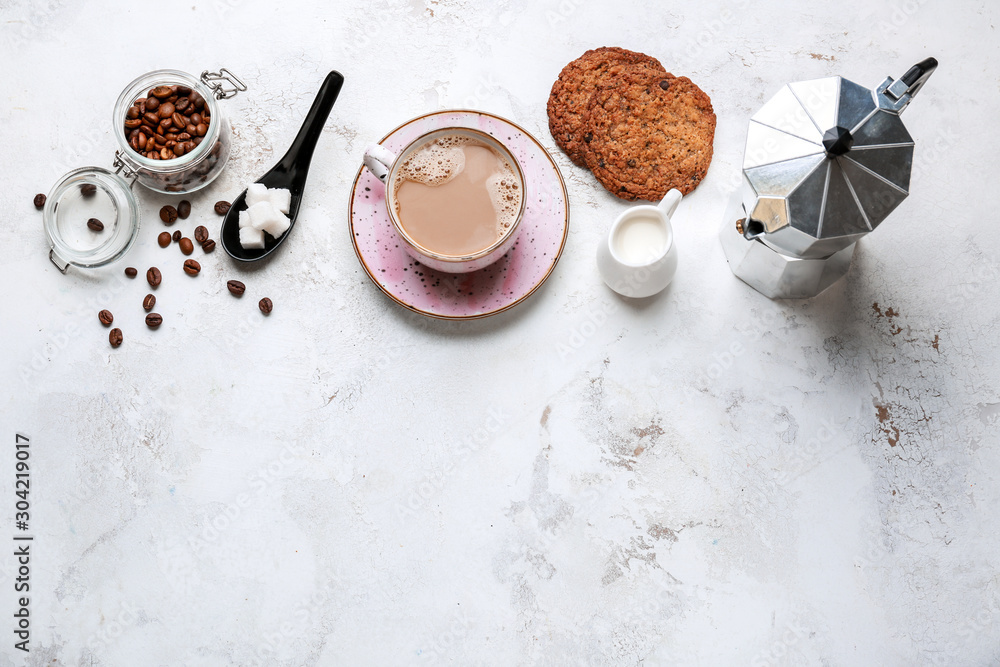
(707, 478)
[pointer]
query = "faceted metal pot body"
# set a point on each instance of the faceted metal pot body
(826, 161)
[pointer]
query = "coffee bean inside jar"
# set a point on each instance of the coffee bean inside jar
(168, 122)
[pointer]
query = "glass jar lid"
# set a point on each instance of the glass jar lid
(91, 218)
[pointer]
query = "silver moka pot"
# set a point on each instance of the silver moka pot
(826, 161)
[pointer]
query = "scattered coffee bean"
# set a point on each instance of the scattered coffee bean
(153, 277)
(186, 246)
(266, 306)
(106, 317)
(154, 320)
(131, 271)
(163, 239)
(192, 267)
(40, 201)
(168, 214)
(208, 245)
(95, 225)
(88, 189)
(115, 337)
(222, 207)
(184, 208)
(201, 233)
(148, 302)
(236, 288)
(177, 236)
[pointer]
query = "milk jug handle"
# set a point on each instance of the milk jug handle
(669, 202)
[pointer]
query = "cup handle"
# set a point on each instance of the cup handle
(379, 160)
(669, 202)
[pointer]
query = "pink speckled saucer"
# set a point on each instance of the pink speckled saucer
(503, 284)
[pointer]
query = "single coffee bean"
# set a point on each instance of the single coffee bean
(162, 92)
(197, 100)
(151, 118)
(168, 214)
(88, 189)
(153, 277)
(152, 104)
(201, 233)
(131, 271)
(177, 236)
(148, 302)
(222, 207)
(95, 225)
(179, 150)
(132, 113)
(236, 288)
(106, 317)
(178, 120)
(133, 124)
(208, 245)
(115, 337)
(186, 246)
(166, 110)
(40, 201)
(182, 104)
(154, 320)
(163, 239)
(265, 306)
(183, 91)
(192, 267)
(184, 208)
(201, 129)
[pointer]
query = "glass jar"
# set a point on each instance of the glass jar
(95, 192)
(192, 171)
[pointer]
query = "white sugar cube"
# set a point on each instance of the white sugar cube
(278, 226)
(244, 220)
(281, 198)
(256, 193)
(251, 239)
(262, 214)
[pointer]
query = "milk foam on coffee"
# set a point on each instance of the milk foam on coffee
(456, 195)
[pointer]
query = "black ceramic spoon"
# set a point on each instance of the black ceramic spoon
(290, 173)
